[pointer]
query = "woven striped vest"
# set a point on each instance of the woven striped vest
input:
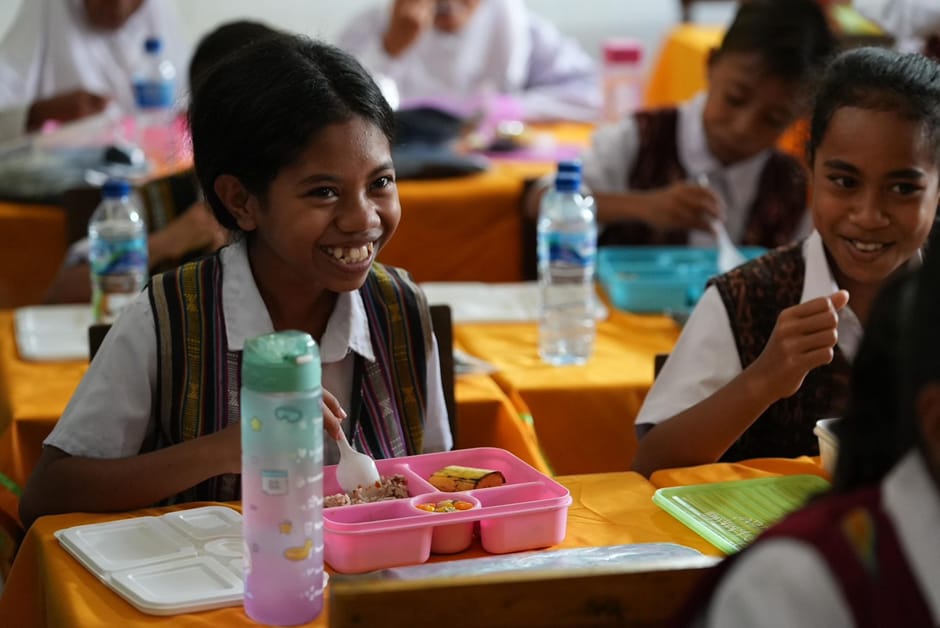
(774, 216)
(199, 379)
(754, 295)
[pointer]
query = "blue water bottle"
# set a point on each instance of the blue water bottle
(567, 251)
(282, 478)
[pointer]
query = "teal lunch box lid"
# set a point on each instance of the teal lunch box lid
(283, 361)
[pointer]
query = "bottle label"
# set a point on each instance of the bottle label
(154, 94)
(119, 257)
(576, 249)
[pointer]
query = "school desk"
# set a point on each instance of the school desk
(583, 415)
(47, 587)
(34, 394)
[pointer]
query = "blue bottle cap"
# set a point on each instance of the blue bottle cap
(153, 44)
(115, 188)
(283, 361)
(568, 181)
(569, 165)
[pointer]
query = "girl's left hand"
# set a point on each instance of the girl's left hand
(333, 414)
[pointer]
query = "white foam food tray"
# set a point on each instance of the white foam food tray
(52, 332)
(181, 562)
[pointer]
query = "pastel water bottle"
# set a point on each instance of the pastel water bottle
(282, 478)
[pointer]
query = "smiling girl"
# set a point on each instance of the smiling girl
(768, 349)
(291, 146)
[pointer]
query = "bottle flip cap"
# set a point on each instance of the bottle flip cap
(568, 177)
(153, 44)
(115, 188)
(283, 361)
(623, 51)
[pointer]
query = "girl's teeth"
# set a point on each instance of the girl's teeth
(351, 255)
(867, 247)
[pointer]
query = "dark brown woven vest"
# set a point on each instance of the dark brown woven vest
(774, 216)
(754, 295)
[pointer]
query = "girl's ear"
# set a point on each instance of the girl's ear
(928, 416)
(240, 203)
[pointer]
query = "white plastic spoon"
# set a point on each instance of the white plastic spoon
(354, 469)
(728, 254)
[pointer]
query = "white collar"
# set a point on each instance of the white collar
(818, 281)
(912, 501)
(246, 315)
(742, 178)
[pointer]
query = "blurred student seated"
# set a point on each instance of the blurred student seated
(468, 55)
(62, 60)
(194, 231)
(663, 176)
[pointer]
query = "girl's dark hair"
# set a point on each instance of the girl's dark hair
(870, 441)
(215, 46)
(878, 79)
(254, 113)
(792, 37)
(921, 341)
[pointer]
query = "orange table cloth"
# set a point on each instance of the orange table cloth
(744, 470)
(34, 394)
(32, 245)
(47, 587)
(583, 415)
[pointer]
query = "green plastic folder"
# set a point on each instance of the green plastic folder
(730, 514)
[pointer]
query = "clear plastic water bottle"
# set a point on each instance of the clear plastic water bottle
(567, 250)
(155, 94)
(117, 235)
(282, 478)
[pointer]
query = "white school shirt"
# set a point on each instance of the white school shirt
(910, 21)
(785, 583)
(706, 358)
(110, 411)
(503, 49)
(50, 49)
(614, 149)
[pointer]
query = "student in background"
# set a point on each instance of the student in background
(62, 60)
(455, 52)
(866, 554)
(291, 144)
(193, 232)
(767, 351)
(661, 176)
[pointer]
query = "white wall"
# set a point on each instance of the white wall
(588, 21)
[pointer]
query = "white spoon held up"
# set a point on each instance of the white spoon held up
(354, 469)
(728, 254)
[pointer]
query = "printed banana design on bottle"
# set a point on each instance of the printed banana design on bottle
(457, 478)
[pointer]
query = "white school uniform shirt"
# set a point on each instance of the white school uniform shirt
(503, 49)
(706, 357)
(785, 583)
(109, 413)
(614, 149)
(909, 21)
(50, 49)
